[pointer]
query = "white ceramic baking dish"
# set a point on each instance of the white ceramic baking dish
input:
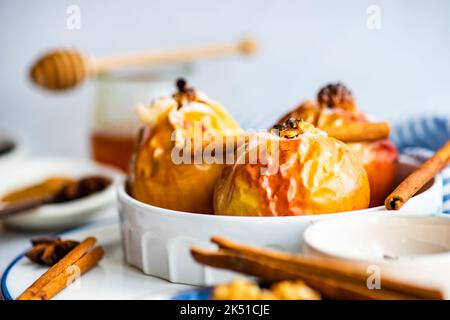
(158, 240)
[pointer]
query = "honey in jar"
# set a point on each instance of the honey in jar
(115, 123)
(112, 149)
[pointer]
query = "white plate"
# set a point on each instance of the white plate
(111, 279)
(63, 215)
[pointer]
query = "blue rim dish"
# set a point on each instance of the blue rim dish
(193, 294)
(4, 289)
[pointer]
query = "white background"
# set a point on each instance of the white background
(399, 70)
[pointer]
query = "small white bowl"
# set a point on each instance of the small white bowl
(18, 154)
(62, 215)
(157, 240)
(380, 237)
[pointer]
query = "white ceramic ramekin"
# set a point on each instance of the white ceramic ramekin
(158, 240)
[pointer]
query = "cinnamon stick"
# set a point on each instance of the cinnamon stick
(272, 272)
(416, 180)
(84, 264)
(333, 278)
(359, 131)
(58, 268)
(324, 267)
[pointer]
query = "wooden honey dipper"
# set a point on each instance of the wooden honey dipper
(65, 69)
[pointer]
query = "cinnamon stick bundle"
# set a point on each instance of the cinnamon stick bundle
(335, 279)
(416, 180)
(55, 279)
(359, 131)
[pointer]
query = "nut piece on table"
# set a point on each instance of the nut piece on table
(246, 290)
(294, 290)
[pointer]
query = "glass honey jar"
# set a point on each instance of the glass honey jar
(114, 120)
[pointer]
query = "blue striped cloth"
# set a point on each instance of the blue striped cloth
(419, 138)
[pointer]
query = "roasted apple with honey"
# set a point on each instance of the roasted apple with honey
(335, 108)
(300, 171)
(160, 174)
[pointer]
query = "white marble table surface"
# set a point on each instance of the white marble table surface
(429, 272)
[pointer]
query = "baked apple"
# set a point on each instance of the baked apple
(157, 174)
(306, 172)
(335, 106)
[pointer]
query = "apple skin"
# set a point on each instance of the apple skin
(157, 180)
(379, 159)
(317, 175)
(154, 177)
